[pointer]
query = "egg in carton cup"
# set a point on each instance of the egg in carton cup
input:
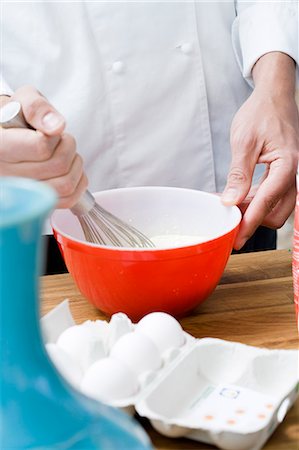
(223, 393)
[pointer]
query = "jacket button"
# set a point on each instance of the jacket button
(118, 67)
(187, 48)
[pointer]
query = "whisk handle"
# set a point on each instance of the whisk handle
(11, 116)
(84, 204)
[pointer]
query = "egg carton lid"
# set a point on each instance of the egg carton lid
(223, 393)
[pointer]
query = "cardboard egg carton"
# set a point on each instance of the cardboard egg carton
(223, 393)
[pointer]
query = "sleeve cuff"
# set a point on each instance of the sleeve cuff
(264, 28)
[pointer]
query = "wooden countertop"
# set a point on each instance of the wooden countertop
(253, 304)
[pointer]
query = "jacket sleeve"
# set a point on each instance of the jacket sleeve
(262, 27)
(4, 87)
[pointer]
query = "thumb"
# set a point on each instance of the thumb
(240, 175)
(237, 186)
(38, 112)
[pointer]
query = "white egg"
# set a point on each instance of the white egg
(84, 343)
(138, 352)
(65, 364)
(109, 379)
(119, 325)
(163, 329)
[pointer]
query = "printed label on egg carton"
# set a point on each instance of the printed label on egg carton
(219, 392)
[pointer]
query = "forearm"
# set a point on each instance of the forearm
(275, 72)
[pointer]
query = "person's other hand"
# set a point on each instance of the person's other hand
(45, 153)
(264, 130)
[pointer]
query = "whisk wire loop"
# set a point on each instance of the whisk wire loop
(100, 226)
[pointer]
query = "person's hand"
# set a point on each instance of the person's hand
(265, 130)
(45, 153)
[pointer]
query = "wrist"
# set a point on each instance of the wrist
(274, 74)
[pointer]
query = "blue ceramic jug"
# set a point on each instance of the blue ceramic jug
(38, 409)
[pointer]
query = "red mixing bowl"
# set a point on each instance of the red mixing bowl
(139, 281)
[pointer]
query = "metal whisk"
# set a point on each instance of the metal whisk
(102, 227)
(99, 225)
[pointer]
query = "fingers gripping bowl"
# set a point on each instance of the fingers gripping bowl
(170, 278)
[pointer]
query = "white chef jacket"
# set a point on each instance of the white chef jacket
(148, 89)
